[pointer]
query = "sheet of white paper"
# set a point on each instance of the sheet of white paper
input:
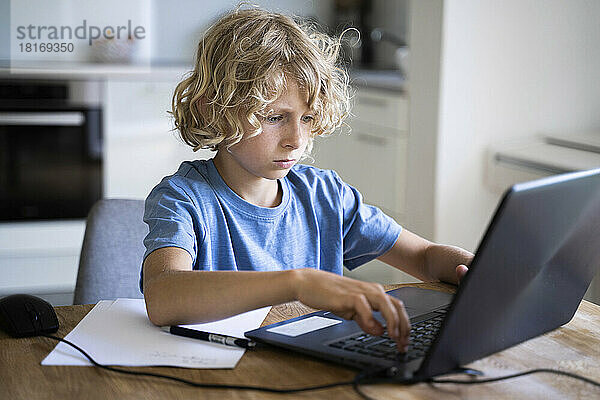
(303, 326)
(120, 333)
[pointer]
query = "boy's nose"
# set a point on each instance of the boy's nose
(295, 136)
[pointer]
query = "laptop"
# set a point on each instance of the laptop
(529, 274)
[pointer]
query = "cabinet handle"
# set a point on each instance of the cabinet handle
(68, 118)
(371, 139)
(370, 101)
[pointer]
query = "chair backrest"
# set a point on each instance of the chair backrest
(112, 252)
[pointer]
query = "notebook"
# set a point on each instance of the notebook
(530, 272)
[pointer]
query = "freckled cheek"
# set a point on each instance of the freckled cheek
(262, 149)
(260, 141)
(270, 141)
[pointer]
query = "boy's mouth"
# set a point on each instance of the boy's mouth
(285, 163)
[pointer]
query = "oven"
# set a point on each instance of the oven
(50, 151)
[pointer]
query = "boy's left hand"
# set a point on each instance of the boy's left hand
(446, 263)
(426, 260)
(461, 271)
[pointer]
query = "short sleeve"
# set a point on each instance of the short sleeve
(172, 219)
(367, 231)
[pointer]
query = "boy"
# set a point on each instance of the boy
(251, 228)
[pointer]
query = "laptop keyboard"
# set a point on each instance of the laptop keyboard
(421, 336)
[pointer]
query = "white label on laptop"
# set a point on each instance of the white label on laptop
(303, 326)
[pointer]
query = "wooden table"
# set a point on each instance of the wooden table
(574, 347)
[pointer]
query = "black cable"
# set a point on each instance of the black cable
(533, 371)
(365, 377)
(202, 385)
(374, 379)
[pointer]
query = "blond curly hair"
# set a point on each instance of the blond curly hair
(241, 66)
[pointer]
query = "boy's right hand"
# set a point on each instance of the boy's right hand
(354, 300)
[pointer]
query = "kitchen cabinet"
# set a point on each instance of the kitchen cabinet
(140, 144)
(371, 156)
(546, 156)
(41, 258)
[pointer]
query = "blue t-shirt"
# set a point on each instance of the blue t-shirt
(321, 222)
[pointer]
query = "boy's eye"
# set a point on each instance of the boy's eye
(273, 118)
(308, 118)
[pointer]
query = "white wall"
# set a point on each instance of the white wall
(179, 24)
(425, 38)
(509, 69)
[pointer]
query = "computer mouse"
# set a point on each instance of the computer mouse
(23, 315)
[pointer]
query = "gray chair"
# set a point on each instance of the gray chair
(112, 252)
